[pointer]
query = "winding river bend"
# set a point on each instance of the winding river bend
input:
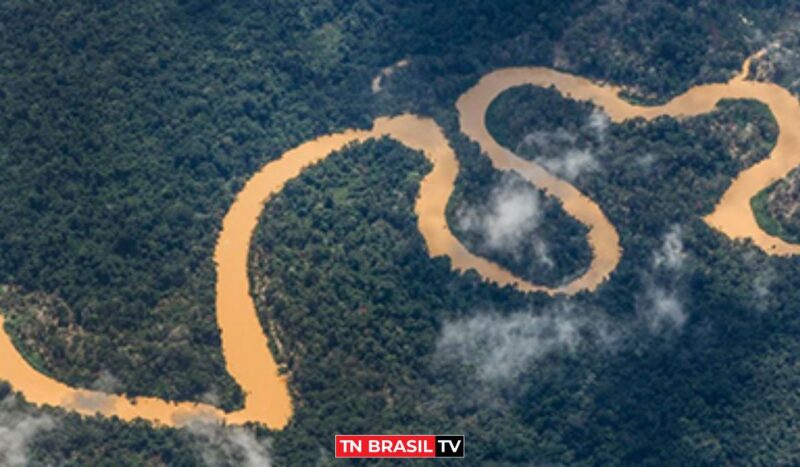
(244, 346)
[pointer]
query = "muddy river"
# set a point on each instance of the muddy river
(244, 345)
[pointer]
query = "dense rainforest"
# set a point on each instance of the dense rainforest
(776, 210)
(127, 129)
(502, 217)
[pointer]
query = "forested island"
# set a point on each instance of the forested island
(776, 208)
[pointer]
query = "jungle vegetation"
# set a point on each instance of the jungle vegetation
(127, 128)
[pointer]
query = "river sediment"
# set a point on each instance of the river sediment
(245, 346)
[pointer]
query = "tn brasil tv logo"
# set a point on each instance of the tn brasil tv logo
(399, 446)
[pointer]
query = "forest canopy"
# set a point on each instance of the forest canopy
(127, 129)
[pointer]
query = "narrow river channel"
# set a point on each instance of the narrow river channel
(244, 345)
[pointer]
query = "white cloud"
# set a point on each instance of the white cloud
(646, 161)
(671, 255)
(662, 310)
(559, 151)
(542, 252)
(763, 275)
(17, 430)
(571, 164)
(94, 400)
(107, 382)
(598, 123)
(212, 398)
(501, 347)
(222, 445)
(762, 281)
(660, 307)
(510, 218)
(544, 139)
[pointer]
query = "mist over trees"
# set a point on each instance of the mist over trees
(127, 129)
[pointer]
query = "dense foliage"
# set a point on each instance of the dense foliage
(775, 208)
(347, 312)
(127, 128)
(538, 242)
(341, 268)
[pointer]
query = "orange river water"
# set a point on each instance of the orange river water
(244, 345)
